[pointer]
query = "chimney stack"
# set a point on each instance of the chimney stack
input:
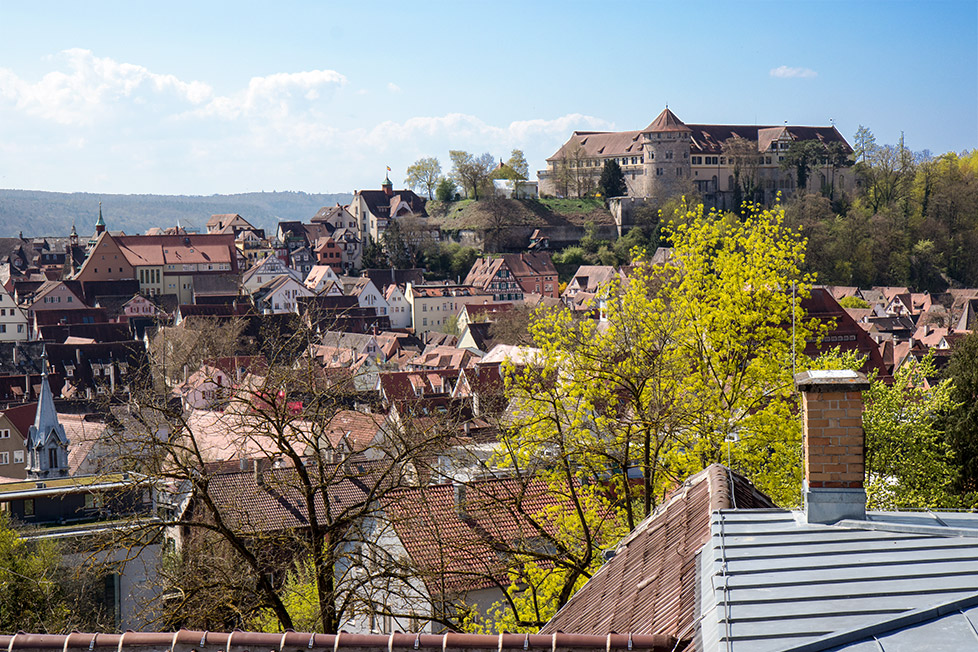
(834, 444)
(458, 495)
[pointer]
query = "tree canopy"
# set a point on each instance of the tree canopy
(423, 175)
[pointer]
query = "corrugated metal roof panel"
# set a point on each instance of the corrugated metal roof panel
(779, 583)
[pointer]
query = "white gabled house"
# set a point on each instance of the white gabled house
(398, 308)
(367, 294)
(266, 270)
(280, 295)
(321, 277)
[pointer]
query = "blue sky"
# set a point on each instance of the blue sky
(215, 97)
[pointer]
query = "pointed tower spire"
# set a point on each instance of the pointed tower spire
(47, 442)
(100, 224)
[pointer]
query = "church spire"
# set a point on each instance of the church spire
(100, 224)
(47, 442)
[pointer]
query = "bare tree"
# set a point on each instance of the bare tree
(265, 489)
(472, 172)
(746, 160)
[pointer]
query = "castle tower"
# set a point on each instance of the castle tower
(47, 443)
(666, 144)
(387, 186)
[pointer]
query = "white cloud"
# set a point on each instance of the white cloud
(276, 95)
(393, 88)
(785, 72)
(464, 128)
(92, 86)
(145, 131)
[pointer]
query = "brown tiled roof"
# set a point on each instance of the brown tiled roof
(222, 436)
(444, 357)
(602, 143)
(454, 551)
(358, 429)
(380, 204)
(705, 138)
(530, 264)
(483, 271)
(141, 250)
(83, 434)
(272, 500)
(406, 385)
(22, 417)
(667, 121)
(650, 586)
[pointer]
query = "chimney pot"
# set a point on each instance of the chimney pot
(834, 444)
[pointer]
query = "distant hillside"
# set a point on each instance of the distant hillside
(37, 213)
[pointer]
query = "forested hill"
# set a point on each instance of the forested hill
(38, 213)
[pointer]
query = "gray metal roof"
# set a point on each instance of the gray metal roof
(771, 581)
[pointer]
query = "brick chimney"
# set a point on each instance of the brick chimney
(834, 442)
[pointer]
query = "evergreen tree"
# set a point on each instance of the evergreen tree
(962, 422)
(612, 183)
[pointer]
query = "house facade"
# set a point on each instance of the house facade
(432, 305)
(510, 276)
(163, 264)
(373, 209)
(13, 320)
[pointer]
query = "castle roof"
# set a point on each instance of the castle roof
(667, 121)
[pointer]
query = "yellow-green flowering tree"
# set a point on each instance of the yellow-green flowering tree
(690, 364)
(909, 462)
(741, 332)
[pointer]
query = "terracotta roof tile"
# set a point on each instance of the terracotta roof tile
(652, 579)
(453, 547)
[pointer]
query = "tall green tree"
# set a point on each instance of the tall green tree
(445, 190)
(802, 156)
(612, 182)
(962, 421)
(423, 175)
(864, 144)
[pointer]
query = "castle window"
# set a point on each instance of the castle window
(668, 156)
(697, 160)
(658, 172)
(679, 172)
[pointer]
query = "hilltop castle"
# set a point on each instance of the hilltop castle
(719, 162)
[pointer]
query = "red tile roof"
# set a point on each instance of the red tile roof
(22, 417)
(652, 579)
(358, 429)
(272, 499)
(457, 552)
